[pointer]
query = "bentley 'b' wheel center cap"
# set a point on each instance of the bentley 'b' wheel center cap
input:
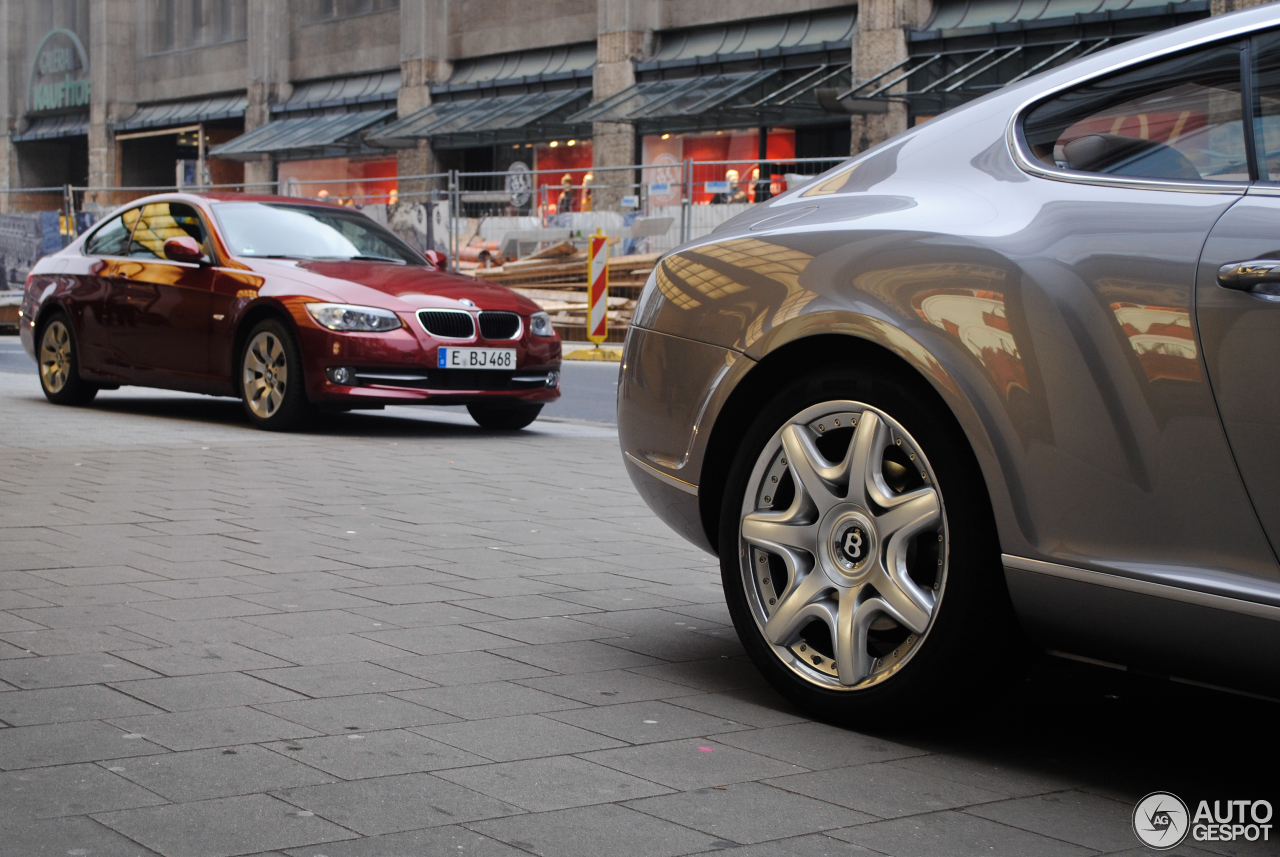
(851, 545)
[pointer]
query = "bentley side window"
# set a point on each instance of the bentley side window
(1266, 104)
(161, 221)
(1179, 118)
(112, 238)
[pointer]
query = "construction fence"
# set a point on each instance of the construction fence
(525, 229)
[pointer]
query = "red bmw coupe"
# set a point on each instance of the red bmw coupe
(291, 306)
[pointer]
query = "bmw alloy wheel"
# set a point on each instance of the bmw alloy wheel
(843, 545)
(266, 374)
(55, 356)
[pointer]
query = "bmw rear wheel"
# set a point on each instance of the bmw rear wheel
(857, 554)
(59, 361)
(271, 382)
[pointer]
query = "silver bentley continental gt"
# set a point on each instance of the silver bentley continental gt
(1015, 371)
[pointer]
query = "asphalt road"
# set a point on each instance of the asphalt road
(588, 390)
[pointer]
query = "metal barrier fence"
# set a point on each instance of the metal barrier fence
(526, 229)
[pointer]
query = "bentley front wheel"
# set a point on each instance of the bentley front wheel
(857, 560)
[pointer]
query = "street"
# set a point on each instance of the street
(399, 634)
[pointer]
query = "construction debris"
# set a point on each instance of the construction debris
(556, 279)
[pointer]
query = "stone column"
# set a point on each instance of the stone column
(1222, 7)
(424, 60)
(269, 36)
(879, 43)
(111, 51)
(625, 28)
(10, 26)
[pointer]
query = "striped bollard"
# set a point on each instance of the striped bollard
(598, 288)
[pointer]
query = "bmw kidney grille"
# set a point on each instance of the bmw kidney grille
(447, 323)
(499, 325)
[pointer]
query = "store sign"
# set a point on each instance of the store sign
(59, 75)
(519, 184)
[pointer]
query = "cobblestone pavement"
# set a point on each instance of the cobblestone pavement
(400, 635)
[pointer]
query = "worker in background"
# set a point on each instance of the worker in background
(735, 192)
(586, 192)
(564, 204)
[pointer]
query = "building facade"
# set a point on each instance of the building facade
(110, 94)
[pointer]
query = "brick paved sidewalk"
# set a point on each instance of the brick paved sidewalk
(399, 636)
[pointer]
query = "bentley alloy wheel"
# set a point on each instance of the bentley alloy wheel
(843, 545)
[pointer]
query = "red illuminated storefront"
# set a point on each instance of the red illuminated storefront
(368, 180)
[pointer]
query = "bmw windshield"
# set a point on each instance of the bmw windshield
(269, 230)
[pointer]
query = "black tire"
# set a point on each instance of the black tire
(273, 400)
(59, 363)
(971, 615)
(504, 416)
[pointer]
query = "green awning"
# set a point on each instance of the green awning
(480, 116)
(663, 99)
(312, 132)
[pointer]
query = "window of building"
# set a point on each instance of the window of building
(344, 181)
(67, 14)
(329, 10)
(553, 163)
(726, 165)
(1179, 119)
(181, 24)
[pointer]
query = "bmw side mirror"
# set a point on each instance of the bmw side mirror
(184, 248)
(437, 258)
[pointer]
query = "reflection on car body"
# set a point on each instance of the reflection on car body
(1012, 371)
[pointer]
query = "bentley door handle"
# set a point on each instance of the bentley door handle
(1260, 276)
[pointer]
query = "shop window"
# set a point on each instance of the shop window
(726, 165)
(181, 24)
(345, 181)
(553, 164)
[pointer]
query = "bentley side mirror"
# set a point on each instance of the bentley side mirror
(183, 248)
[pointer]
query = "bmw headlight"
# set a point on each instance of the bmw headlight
(345, 317)
(540, 324)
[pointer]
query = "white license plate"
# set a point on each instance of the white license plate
(476, 358)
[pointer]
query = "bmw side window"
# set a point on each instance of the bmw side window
(1179, 118)
(161, 221)
(112, 239)
(1265, 51)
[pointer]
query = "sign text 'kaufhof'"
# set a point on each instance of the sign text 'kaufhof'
(59, 77)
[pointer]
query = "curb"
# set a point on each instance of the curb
(612, 355)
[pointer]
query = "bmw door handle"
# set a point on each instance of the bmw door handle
(1258, 276)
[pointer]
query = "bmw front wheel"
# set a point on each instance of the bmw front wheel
(271, 382)
(857, 550)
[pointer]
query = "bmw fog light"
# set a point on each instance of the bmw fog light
(540, 325)
(344, 375)
(553, 379)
